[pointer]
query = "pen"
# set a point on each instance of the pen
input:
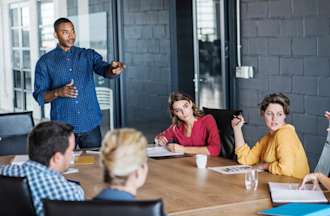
(235, 116)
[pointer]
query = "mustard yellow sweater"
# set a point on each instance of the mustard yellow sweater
(282, 150)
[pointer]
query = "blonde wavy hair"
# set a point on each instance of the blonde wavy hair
(123, 151)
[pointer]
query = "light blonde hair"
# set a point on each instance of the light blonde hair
(123, 151)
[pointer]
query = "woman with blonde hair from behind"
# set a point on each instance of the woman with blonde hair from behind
(124, 161)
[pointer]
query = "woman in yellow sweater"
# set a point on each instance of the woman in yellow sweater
(279, 151)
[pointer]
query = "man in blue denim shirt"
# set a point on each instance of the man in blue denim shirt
(64, 77)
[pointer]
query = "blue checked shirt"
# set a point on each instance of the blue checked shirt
(44, 183)
(56, 69)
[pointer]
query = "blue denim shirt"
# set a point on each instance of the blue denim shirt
(56, 69)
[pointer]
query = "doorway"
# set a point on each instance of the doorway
(206, 51)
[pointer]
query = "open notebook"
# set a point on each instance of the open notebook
(289, 192)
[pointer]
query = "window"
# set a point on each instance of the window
(46, 19)
(46, 38)
(21, 59)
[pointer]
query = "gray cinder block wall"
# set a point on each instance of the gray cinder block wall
(146, 49)
(288, 43)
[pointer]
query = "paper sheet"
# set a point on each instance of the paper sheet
(71, 170)
(161, 152)
(289, 192)
(235, 169)
(20, 159)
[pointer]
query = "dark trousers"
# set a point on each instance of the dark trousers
(89, 139)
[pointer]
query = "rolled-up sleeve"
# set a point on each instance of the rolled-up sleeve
(248, 156)
(41, 82)
(99, 65)
(169, 134)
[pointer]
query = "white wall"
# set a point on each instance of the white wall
(6, 77)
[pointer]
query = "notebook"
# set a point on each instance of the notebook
(298, 209)
(84, 160)
(289, 192)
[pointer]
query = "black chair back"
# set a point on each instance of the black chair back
(14, 129)
(15, 197)
(104, 208)
(223, 118)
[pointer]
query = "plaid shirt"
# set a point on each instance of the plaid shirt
(44, 183)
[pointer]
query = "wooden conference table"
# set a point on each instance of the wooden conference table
(187, 190)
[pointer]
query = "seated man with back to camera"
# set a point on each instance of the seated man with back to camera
(50, 147)
(191, 132)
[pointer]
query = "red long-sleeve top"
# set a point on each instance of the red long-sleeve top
(204, 133)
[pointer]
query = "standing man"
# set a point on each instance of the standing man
(64, 77)
(50, 147)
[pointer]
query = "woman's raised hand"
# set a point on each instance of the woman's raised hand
(237, 121)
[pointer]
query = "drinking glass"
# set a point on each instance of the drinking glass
(251, 179)
(201, 160)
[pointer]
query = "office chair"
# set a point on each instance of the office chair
(15, 197)
(105, 99)
(14, 129)
(104, 208)
(223, 119)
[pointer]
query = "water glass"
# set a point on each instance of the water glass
(251, 179)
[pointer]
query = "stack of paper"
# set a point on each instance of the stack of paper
(298, 209)
(161, 152)
(289, 192)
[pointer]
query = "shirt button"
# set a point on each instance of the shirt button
(70, 69)
(78, 112)
(77, 102)
(68, 59)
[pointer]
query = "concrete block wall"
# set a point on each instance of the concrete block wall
(146, 50)
(288, 44)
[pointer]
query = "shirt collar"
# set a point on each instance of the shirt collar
(70, 51)
(38, 166)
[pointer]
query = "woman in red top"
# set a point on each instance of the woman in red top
(191, 132)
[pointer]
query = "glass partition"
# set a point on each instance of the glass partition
(209, 74)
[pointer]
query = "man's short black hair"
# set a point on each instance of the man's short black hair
(59, 21)
(48, 138)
